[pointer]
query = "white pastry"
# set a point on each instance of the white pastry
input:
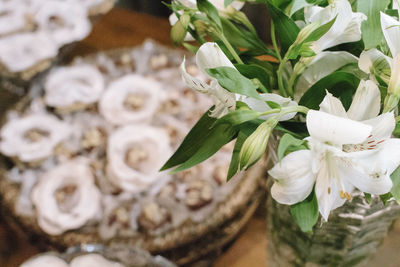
(64, 21)
(22, 51)
(45, 261)
(93, 260)
(66, 197)
(13, 17)
(135, 154)
(33, 137)
(68, 86)
(132, 98)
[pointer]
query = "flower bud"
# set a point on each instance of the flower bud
(178, 33)
(256, 144)
(202, 27)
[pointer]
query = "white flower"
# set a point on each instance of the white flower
(64, 22)
(33, 137)
(135, 154)
(68, 86)
(261, 105)
(374, 62)
(208, 56)
(132, 98)
(21, 51)
(347, 26)
(91, 260)
(45, 260)
(66, 197)
(391, 31)
(344, 153)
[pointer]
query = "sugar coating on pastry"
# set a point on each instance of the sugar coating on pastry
(21, 51)
(33, 137)
(66, 86)
(13, 17)
(130, 99)
(45, 261)
(66, 197)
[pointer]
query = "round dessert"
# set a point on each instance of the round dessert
(33, 31)
(82, 156)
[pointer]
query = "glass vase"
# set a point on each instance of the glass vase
(349, 238)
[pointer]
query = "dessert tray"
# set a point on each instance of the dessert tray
(33, 31)
(82, 153)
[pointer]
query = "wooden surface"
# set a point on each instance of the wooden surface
(121, 28)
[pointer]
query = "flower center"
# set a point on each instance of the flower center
(334, 174)
(368, 144)
(135, 101)
(35, 135)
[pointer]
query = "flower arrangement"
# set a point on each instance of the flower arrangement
(329, 86)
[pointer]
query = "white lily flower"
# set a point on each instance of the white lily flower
(373, 61)
(261, 105)
(344, 153)
(347, 27)
(208, 56)
(391, 31)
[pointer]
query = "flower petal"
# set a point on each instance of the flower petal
(332, 105)
(174, 19)
(352, 32)
(390, 155)
(220, 5)
(327, 190)
(366, 174)
(336, 130)
(261, 106)
(322, 65)
(193, 82)
(294, 180)
(210, 55)
(374, 58)
(366, 102)
(391, 31)
(382, 126)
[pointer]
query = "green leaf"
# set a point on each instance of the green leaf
(371, 28)
(386, 197)
(273, 104)
(368, 198)
(210, 10)
(340, 84)
(192, 142)
(320, 31)
(295, 128)
(288, 141)
(238, 117)
(191, 48)
(396, 184)
(231, 79)
(218, 136)
(285, 27)
(228, 2)
(305, 213)
(245, 131)
(254, 71)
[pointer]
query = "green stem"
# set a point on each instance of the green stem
(292, 79)
(280, 78)
(230, 48)
(273, 39)
(286, 110)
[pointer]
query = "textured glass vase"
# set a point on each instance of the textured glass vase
(349, 238)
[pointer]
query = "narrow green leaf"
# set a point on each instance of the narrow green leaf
(306, 213)
(254, 71)
(212, 13)
(285, 27)
(192, 142)
(340, 84)
(231, 79)
(238, 117)
(273, 104)
(386, 197)
(245, 132)
(371, 28)
(288, 141)
(320, 31)
(218, 136)
(396, 184)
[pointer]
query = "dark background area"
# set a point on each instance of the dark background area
(257, 13)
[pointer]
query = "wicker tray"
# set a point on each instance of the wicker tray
(182, 244)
